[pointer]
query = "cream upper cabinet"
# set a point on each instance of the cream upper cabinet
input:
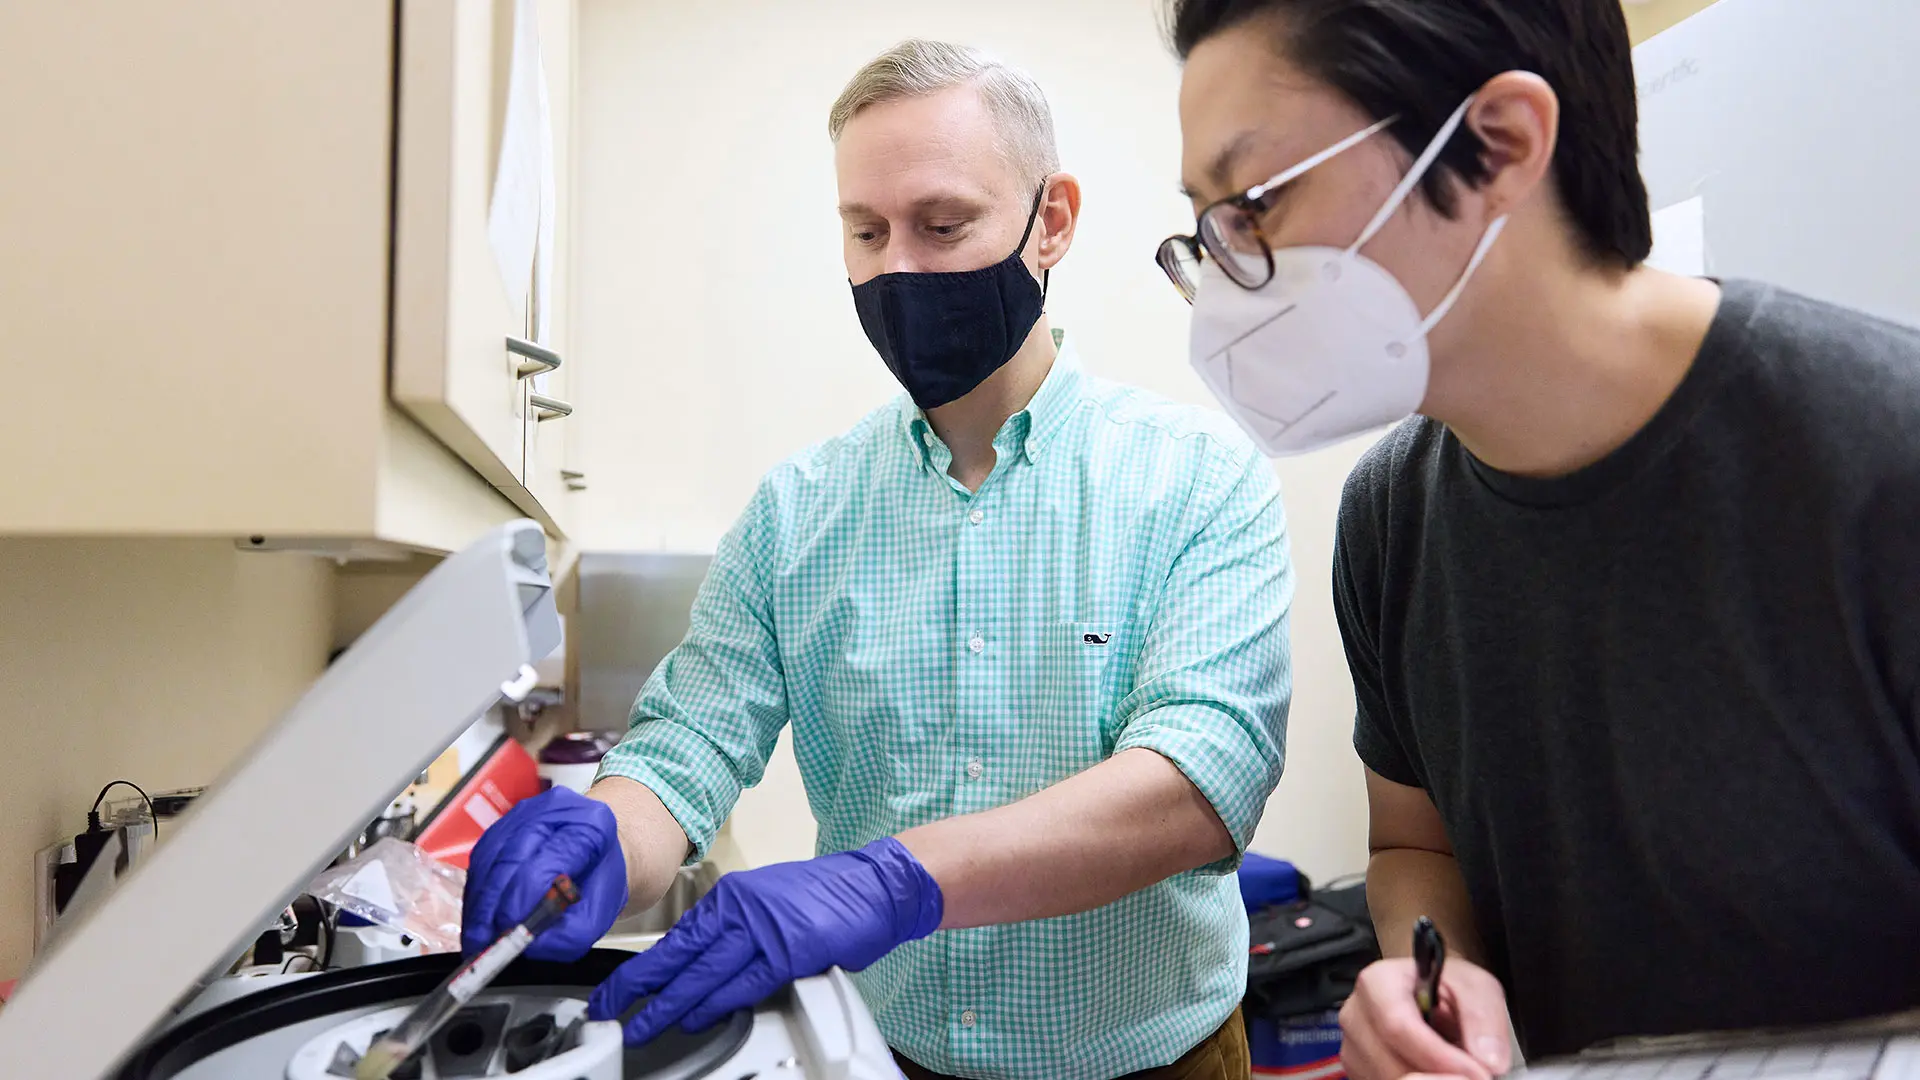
(474, 135)
(248, 288)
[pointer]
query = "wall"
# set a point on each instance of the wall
(1647, 19)
(154, 661)
(716, 334)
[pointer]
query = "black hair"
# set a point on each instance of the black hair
(1419, 59)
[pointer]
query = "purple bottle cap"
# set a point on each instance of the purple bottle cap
(577, 748)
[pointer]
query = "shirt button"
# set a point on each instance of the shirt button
(968, 1019)
(978, 644)
(977, 516)
(976, 770)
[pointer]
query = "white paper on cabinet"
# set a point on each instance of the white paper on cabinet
(513, 218)
(543, 299)
(1680, 238)
(549, 210)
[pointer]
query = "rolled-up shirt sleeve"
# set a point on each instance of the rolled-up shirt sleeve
(706, 721)
(1215, 678)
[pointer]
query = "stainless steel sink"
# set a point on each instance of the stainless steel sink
(692, 883)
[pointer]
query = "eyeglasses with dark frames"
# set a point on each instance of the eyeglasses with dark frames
(1229, 233)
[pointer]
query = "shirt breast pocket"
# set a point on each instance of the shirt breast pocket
(1073, 696)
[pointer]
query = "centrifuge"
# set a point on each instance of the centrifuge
(129, 989)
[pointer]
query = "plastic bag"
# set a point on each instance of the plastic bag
(396, 885)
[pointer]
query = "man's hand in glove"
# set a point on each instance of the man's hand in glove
(515, 862)
(761, 929)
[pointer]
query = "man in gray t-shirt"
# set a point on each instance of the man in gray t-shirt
(1666, 705)
(1633, 604)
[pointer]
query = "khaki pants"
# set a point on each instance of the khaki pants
(1221, 1056)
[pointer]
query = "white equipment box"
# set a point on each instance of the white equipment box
(123, 992)
(1776, 137)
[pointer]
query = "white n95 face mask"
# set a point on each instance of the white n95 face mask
(1333, 346)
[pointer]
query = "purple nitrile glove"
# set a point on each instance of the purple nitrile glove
(556, 832)
(759, 930)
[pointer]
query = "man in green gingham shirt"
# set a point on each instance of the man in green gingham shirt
(1030, 630)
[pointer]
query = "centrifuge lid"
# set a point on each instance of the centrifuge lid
(445, 654)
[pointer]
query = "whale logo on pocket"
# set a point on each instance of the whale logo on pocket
(1095, 639)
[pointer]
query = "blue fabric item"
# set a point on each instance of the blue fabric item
(759, 930)
(1304, 1047)
(514, 863)
(1266, 882)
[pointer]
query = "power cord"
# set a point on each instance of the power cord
(313, 965)
(93, 812)
(331, 928)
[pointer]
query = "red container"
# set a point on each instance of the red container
(507, 776)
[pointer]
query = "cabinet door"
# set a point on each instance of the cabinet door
(553, 477)
(194, 214)
(551, 467)
(453, 309)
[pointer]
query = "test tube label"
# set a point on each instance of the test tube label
(488, 964)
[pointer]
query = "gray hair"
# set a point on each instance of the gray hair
(918, 68)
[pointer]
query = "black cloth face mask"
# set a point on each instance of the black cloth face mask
(944, 334)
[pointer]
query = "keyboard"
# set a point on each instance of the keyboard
(1811, 1058)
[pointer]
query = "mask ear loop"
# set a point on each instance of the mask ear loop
(1414, 175)
(1321, 158)
(1479, 255)
(1421, 165)
(1046, 276)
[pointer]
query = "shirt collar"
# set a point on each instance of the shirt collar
(1054, 404)
(1027, 432)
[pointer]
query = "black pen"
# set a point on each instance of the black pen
(1429, 960)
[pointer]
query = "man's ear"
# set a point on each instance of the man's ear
(1517, 117)
(1059, 215)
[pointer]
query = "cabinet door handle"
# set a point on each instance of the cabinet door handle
(549, 408)
(534, 360)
